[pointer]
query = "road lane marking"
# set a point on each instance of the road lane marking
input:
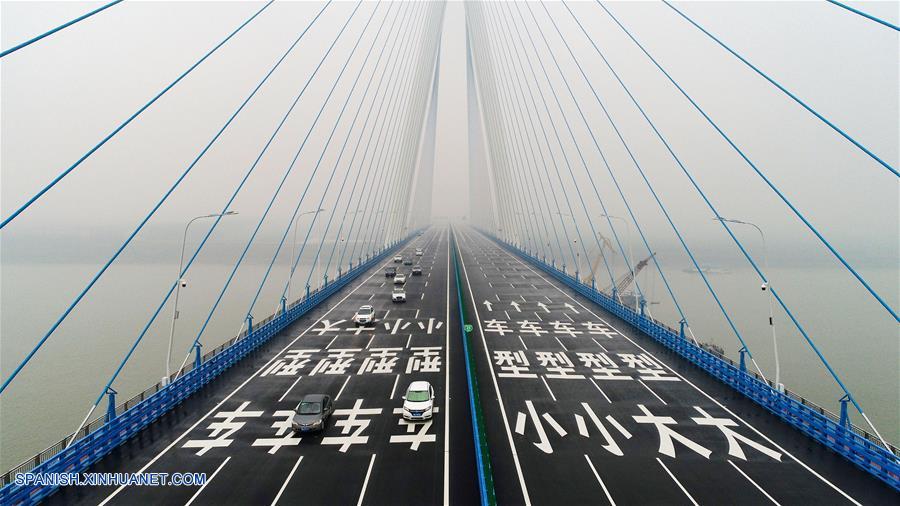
(557, 427)
(753, 482)
(678, 482)
(338, 396)
(362, 493)
(600, 345)
(602, 485)
(394, 388)
(601, 390)
(548, 388)
(408, 340)
(370, 341)
(330, 342)
(695, 387)
(200, 490)
(289, 389)
(652, 392)
(417, 314)
(560, 343)
(286, 481)
(523, 342)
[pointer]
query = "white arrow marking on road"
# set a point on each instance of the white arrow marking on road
(488, 304)
(570, 306)
(543, 306)
(515, 305)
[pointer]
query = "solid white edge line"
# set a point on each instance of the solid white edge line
(512, 445)
(200, 490)
(690, 498)
(602, 485)
(224, 400)
(286, 481)
(447, 386)
(362, 493)
(753, 482)
(713, 400)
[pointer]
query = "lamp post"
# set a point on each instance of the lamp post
(179, 285)
(294, 246)
(765, 287)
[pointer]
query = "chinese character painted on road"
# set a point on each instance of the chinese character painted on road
(667, 435)
(530, 327)
(599, 329)
(499, 326)
(512, 364)
(557, 364)
(424, 359)
(648, 368)
(337, 362)
(350, 423)
(290, 364)
(380, 361)
(611, 446)
(327, 326)
(285, 435)
(543, 443)
(222, 430)
(734, 439)
(414, 437)
(564, 328)
(602, 366)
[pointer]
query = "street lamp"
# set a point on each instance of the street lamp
(294, 246)
(764, 287)
(181, 284)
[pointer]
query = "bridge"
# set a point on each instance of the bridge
(580, 346)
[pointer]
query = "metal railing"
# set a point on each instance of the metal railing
(97, 438)
(848, 440)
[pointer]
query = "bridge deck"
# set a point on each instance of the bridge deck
(232, 431)
(579, 409)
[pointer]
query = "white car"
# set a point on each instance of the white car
(398, 259)
(418, 403)
(364, 316)
(418, 252)
(400, 279)
(399, 294)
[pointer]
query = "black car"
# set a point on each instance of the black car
(390, 272)
(312, 414)
(417, 270)
(407, 261)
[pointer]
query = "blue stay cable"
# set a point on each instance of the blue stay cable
(215, 224)
(794, 97)
(769, 183)
(290, 168)
(659, 202)
(574, 141)
(58, 28)
(865, 15)
(603, 157)
(362, 101)
(144, 221)
(125, 123)
(737, 242)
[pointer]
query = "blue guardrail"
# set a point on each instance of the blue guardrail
(82, 453)
(843, 439)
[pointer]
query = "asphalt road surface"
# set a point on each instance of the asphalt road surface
(237, 429)
(581, 409)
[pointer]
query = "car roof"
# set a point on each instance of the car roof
(313, 398)
(398, 288)
(419, 385)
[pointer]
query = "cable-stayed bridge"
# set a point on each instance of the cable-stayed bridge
(551, 322)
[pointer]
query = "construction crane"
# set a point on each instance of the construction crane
(625, 281)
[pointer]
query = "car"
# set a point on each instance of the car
(417, 270)
(364, 316)
(399, 294)
(400, 279)
(398, 259)
(418, 403)
(419, 252)
(312, 413)
(408, 261)
(390, 272)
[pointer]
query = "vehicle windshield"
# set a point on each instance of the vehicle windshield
(398, 290)
(417, 395)
(309, 408)
(365, 311)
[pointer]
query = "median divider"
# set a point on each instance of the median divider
(482, 450)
